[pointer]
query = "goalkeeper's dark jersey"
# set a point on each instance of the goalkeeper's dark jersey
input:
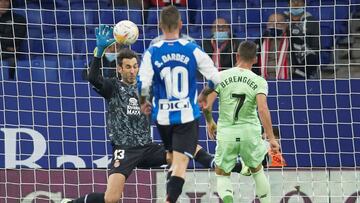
(126, 125)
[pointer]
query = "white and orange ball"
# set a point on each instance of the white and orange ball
(126, 32)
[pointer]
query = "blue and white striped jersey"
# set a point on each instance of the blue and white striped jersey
(169, 69)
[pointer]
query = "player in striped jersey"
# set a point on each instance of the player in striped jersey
(169, 68)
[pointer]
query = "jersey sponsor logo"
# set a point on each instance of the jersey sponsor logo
(133, 101)
(133, 107)
(166, 105)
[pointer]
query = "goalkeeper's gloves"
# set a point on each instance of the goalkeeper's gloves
(104, 39)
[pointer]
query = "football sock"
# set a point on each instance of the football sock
(224, 187)
(91, 198)
(174, 188)
(204, 158)
(262, 186)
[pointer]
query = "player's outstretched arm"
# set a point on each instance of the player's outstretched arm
(265, 118)
(206, 66)
(104, 38)
(207, 110)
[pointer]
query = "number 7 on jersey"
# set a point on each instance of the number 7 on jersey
(240, 102)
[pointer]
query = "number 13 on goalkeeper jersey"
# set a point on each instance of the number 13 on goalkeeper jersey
(168, 71)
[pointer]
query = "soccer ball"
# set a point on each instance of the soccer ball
(126, 32)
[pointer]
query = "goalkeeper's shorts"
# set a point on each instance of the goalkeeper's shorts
(126, 159)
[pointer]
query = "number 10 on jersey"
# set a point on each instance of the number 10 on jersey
(176, 81)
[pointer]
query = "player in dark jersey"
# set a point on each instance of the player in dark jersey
(128, 127)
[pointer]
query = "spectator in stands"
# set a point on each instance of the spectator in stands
(109, 61)
(12, 33)
(273, 49)
(139, 4)
(304, 33)
(222, 46)
(157, 4)
(162, 3)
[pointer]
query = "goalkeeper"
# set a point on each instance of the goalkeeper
(239, 131)
(128, 127)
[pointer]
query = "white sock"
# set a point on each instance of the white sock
(224, 186)
(262, 186)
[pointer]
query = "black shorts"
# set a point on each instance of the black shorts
(182, 138)
(126, 159)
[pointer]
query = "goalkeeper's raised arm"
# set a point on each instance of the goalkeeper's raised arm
(104, 39)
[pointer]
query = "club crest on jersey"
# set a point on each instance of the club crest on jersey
(133, 107)
(116, 163)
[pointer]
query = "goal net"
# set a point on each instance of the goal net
(53, 142)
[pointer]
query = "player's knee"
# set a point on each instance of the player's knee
(220, 172)
(254, 170)
(180, 165)
(169, 158)
(168, 161)
(180, 159)
(179, 170)
(111, 197)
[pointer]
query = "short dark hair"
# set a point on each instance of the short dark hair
(169, 18)
(247, 50)
(126, 53)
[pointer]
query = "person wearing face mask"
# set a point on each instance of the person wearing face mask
(273, 50)
(222, 46)
(108, 62)
(304, 37)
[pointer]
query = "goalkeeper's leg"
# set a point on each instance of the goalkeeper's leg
(113, 192)
(115, 188)
(262, 184)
